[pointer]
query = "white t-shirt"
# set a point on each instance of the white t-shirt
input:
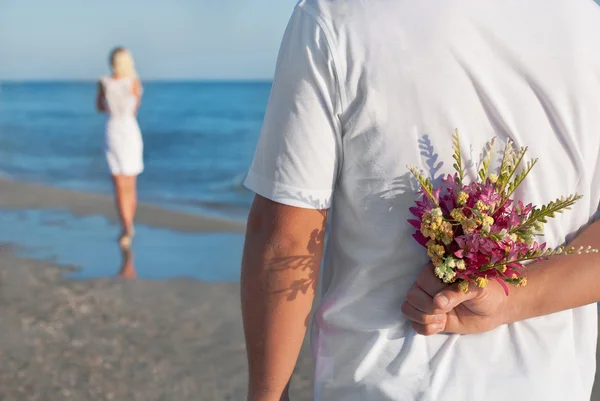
(363, 88)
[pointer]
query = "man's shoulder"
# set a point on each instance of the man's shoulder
(335, 10)
(328, 5)
(353, 13)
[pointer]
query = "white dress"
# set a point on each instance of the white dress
(124, 145)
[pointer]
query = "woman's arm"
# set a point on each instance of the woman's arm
(100, 104)
(137, 91)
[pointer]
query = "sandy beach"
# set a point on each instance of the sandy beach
(112, 339)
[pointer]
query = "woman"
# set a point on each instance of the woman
(120, 95)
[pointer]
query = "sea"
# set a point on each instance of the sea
(199, 139)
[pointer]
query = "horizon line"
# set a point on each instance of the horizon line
(169, 80)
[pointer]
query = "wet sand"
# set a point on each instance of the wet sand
(111, 339)
(16, 195)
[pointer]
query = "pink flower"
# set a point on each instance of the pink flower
(420, 238)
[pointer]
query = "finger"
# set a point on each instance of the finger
(419, 316)
(429, 282)
(422, 301)
(427, 329)
(451, 297)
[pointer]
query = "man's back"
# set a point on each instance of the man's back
(408, 73)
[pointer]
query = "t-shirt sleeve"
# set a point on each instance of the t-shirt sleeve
(299, 151)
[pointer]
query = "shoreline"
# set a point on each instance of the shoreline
(18, 195)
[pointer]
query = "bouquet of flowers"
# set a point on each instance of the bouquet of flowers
(474, 232)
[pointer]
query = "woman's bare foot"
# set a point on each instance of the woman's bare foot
(125, 241)
(126, 238)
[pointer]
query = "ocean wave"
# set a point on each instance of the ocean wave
(236, 184)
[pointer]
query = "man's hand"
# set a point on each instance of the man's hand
(435, 307)
(557, 284)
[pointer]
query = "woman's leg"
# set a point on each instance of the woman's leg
(126, 200)
(132, 184)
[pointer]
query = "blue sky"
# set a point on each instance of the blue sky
(178, 39)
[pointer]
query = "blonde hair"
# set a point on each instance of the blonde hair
(122, 64)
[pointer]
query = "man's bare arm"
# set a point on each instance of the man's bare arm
(280, 265)
(560, 283)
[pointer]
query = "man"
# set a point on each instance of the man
(363, 88)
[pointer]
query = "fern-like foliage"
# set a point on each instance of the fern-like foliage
(487, 160)
(542, 214)
(512, 186)
(425, 183)
(458, 166)
(507, 157)
(542, 254)
(513, 160)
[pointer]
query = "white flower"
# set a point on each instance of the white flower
(449, 276)
(538, 226)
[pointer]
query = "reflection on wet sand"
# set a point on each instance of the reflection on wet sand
(127, 268)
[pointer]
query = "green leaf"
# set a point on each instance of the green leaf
(519, 178)
(424, 182)
(510, 166)
(507, 157)
(548, 211)
(487, 160)
(458, 157)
